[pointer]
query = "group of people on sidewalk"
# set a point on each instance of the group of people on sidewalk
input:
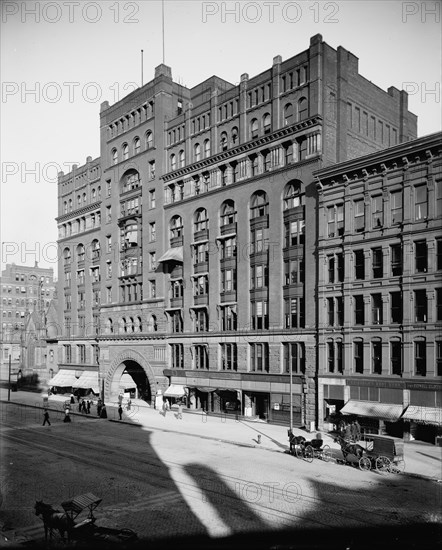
(350, 431)
(166, 406)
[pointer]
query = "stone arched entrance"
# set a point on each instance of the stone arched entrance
(134, 367)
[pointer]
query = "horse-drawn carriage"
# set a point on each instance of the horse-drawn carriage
(65, 522)
(374, 452)
(308, 450)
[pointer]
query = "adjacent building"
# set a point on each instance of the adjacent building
(189, 249)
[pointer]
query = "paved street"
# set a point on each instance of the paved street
(160, 481)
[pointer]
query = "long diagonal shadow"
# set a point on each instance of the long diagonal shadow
(275, 441)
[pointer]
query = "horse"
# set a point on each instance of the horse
(348, 448)
(53, 520)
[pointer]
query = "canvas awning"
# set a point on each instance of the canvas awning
(423, 415)
(175, 390)
(384, 411)
(88, 381)
(127, 382)
(63, 379)
(174, 254)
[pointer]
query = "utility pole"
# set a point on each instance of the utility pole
(291, 397)
(9, 379)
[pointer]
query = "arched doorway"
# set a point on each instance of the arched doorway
(134, 380)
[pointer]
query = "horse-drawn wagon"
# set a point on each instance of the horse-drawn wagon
(384, 453)
(308, 450)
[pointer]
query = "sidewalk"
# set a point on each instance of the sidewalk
(421, 459)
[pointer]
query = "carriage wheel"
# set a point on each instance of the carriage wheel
(308, 453)
(365, 463)
(383, 464)
(326, 454)
(299, 451)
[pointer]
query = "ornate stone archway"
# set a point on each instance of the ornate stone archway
(111, 388)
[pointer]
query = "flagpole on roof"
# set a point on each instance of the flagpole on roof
(162, 13)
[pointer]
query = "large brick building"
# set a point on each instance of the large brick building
(189, 246)
(380, 289)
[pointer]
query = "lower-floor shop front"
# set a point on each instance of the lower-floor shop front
(399, 408)
(267, 398)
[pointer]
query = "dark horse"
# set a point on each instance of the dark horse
(349, 448)
(53, 520)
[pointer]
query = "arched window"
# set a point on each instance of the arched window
(254, 128)
(67, 256)
(137, 145)
(152, 326)
(176, 227)
(149, 139)
(173, 161)
(201, 221)
(234, 135)
(266, 124)
(292, 196)
(110, 326)
(80, 253)
(288, 114)
(114, 156)
(228, 213)
(95, 249)
(259, 205)
(302, 109)
(125, 151)
(182, 158)
(223, 141)
(129, 181)
(197, 152)
(207, 148)
(94, 194)
(65, 204)
(70, 205)
(84, 198)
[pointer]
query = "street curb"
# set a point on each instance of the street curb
(43, 407)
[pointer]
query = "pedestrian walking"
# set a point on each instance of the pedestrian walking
(72, 398)
(67, 418)
(347, 433)
(103, 412)
(83, 406)
(357, 431)
(99, 406)
(46, 418)
(165, 407)
(180, 411)
(88, 407)
(80, 405)
(120, 411)
(129, 403)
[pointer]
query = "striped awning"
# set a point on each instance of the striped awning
(424, 415)
(88, 380)
(175, 390)
(63, 379)
(383, 411)
(174, 254)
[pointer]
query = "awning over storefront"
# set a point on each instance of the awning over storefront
(63, 379)
(172, 255)
(205, 389)
(175, 390)
(127, 382)
(88, 381)
(384, 411)
(423, 415)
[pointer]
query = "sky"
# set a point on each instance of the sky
(60, 60)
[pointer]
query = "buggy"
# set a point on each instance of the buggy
(308, 450)
(383, 453)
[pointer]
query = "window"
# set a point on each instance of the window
(223, 141)
(149, 140)
(335, 220)
(137, 145)
(228, 318)
(376, 357)
(173, 162)
(359, 213)
(377, 263)
(331, 356)
(197, 152)
(152, 170)
(288, 114)
(201, 357)
(438, 193)
(125, 151)
(181, 158)
(207, 148)
(438, 358)
(358, 348)
(396, 207)
(152, 198)
(439, 254)
(377, 215)
(201, 320)
(331, 269)
(420, 202)
(340, 310)
(228, 280)
(177, 356)
(420, 358)
(438, 304)
(259, 357)
(294, 312)
(229, 357)
(201, 222)
(108, 214)
(340, 259)
(359, 261)
(258, 276)
(201, 253)
(201, 285)
(266, 123)
(331, 311)
(396, 358)
(396, 307)
(228, 248)
(152, 232)
(420, 250)
(302, 109)
(260, 316)
(176, 289)
(68, 353)
(176, 321)
(254, 128)
(152, 261)
(396, 260)
(292, 196)
(420, 306)
(293, 272)
(294, 233)
(294, 357)
(359, 309)
(114, 156)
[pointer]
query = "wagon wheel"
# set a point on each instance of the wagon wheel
(299, 451)
(308, 453)
(326, 454)
(397, 467)
(364, 463)
(383, 464)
